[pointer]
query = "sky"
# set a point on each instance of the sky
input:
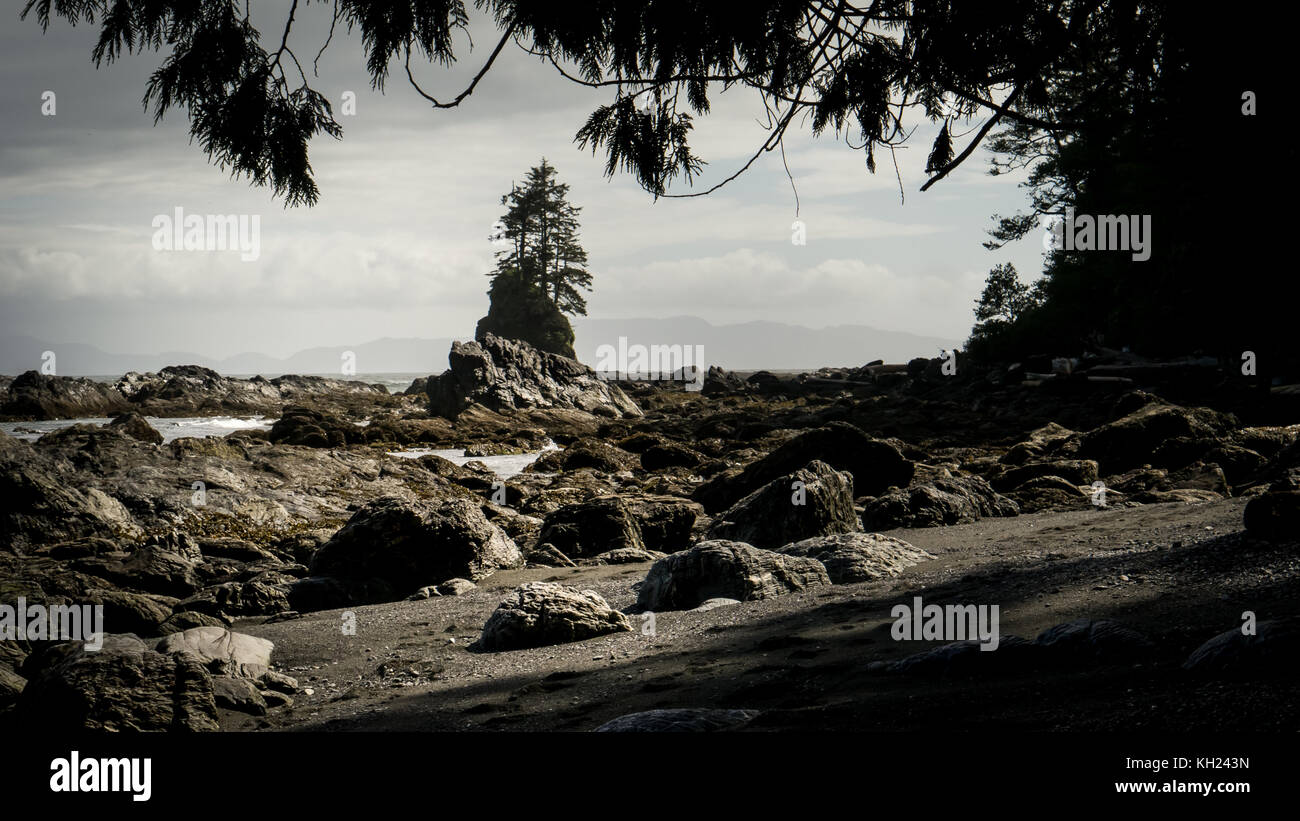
(398, 245)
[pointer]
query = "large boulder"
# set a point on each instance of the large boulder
(42, 504)
(666, 521)
(815, 500)
(956, 500)
(858, 557)
(504, 374)
(34, 395)
(1132, 440)
(124, 686)
(1274, 516)
(588, 528)
(540, 614)
(729, 570)
(409, 545)
(875, 465)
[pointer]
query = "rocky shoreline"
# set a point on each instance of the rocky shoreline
(769, 522)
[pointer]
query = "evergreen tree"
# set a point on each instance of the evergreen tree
(545, 252)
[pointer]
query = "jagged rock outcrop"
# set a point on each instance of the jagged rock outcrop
(505, 374)
(876, 465)
(815, 500)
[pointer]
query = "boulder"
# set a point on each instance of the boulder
(1274, 516)
(858, 557)
(124, 686)
(298, 425)
(724, 569)
(942, 502)
(408, 545)
(666, 522)
(1037, 444)
(540, 614)
(669, 455)
(34, 395)
(1052, 493)
(504, 374)
(588, 528)
(1076, 471)
(875, 465)
(134, 425)
(1132, 439)
(815, 500)
(1274, 649)
(220, 651)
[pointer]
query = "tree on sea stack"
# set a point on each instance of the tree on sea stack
(541, 272)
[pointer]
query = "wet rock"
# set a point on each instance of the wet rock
(725, 569)
(692, 720)
(815, 500)
(33, 395)
(858, 557)
(134, 425)
(540, 614)
(298, 425)
(584, 453)
(408, 545)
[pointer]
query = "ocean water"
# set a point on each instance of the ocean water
(394, 382)
(171, 427)
(503, 466)
(200, 426)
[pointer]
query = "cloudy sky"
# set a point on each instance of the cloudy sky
(398, 244)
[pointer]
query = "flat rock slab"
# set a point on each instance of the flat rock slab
(221, 651)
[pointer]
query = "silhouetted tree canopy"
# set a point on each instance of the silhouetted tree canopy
(856, 70)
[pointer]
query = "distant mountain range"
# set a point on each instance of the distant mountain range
(745, 346)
